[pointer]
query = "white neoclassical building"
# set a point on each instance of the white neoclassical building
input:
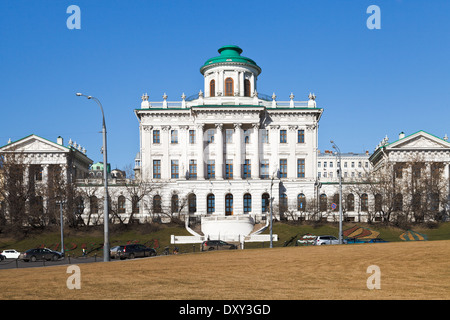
(228, 149)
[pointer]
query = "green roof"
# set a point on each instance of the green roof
(229, 54)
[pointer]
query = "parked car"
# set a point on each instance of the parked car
(114, 251)
(217, 245)
(40, 254)
(325, 240)
(2, 257)
(132, 251)
(10, 254)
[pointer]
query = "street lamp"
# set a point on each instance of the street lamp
(61, 220)
(105, 178)
(340, 190)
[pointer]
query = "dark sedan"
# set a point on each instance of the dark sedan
(132, 251)
(40, 254)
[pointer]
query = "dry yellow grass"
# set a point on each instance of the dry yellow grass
(412, 270)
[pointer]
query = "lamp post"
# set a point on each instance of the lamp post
(105, 178)
(340, 191)
(61, 220)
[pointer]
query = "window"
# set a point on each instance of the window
(156, 136)
(211, 169)
(192, 203)
(283, 136)
(93, 203)
(345, 164)
(192, 136)
(264, 169)
(246, 136)
(301, 136)
(283, 168)
(319, 164)
(364, 203)
(228, 169)
(353, 164)
(229, 204)
(210, 203)
(301, 202)
(378, 202)
(350, 202)
(300, 168)
(331, 164)
(174, 207)
(336, 201)
(174, 169)
(325, 164)
(323, 202)
(229, 84)
(212, 88)
(265, 202)
(210, 135)
(135, 204)
(156, 169)
(38, 173)
(247, 88)
(398, 202)
(157, 204)
(121, 204)
(174, 136)
(247, 168)
(229, 135)
(247, 203)
(283, 203)
(192, 169)
(265, 136)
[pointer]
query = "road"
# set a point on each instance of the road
(13, 263)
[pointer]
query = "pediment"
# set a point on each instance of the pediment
(420, 140)
(33, 144)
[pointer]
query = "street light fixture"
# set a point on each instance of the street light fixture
(340, 191)
(105, 178)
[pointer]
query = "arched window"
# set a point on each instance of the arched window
(398, 202)
(212, 88)
(210, 203)
(364, 202)
(301, 202)
(174, 204)
(247, 88)
(247, 203)
(79, 205)
(135, 204)
(229, 86)
(157, 204)
(336, 201)
(93, 203)
(350, 202)
(265, 202)
(229, 204)
(121, 204)
(192, 203)
(283, 203)
(378, 202)
(323, 202)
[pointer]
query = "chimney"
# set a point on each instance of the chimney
(401, 135)
(60, 141)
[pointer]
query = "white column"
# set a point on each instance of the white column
(274, 138)
(241, 84)
(219, 151)
(237, 170)
(255, 160)
(292, 161)
(200, 157)
(165, 163)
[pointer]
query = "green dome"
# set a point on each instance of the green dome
(230, 54)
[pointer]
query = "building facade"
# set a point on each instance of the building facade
(227, 149)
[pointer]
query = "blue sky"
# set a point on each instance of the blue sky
(371, 83)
